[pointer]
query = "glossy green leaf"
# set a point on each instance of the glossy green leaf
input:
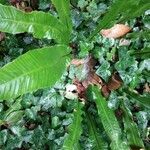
(142, 34)
(143, 54)
(14, 117)
(40, 24)
(75, 129)
(2, 122)
(36, 69)
(131, 128)
(2, 1)
(109, 122)
(63, 9)
(107, 20)
(137, 8)
(55, 122)
(127, 10)
(94, 135)
(14, 107)
(3, 137)
(143, 100)
(142, 120)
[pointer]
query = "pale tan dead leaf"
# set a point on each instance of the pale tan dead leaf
(116, 31)
(77, 62)
(147, 88)
(71, 92)
(124, 42)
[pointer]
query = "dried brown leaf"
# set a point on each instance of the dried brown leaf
(81, 90)
(22, 5)
(115, 82)
(116, 31)
(91, 77)
(105, 91)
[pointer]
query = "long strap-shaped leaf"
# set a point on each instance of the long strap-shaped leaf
(142, 54)
(137, 9)
(127, 8)
(110, 17)
(75, 129)
(36, 69)
(98, 141)
(109, 122)
(40, 24)
(63, 9)
(143, 100)
(131, 128)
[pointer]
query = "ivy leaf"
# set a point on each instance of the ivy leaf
(143, 118)
(13, 107)
(82, 3)
(32, 112)
(14, 117)
(104, 70)
(128, 9)
(75, 129)
(3, 137)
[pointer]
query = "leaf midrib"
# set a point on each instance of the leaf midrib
(94, 130)
(30, 72)
(77, 122)
(31, 23)
(107, 118)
